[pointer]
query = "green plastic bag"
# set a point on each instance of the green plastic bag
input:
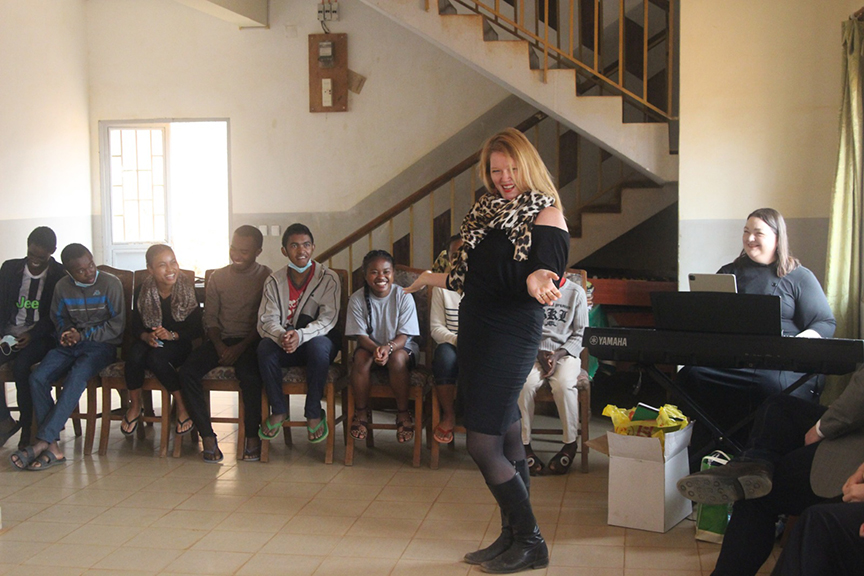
(711, 521)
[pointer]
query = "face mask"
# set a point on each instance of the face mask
(80, 285)
(298, 269)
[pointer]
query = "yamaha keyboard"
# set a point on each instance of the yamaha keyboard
(644, 346)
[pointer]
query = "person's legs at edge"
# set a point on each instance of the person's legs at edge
(825, 541)
(749, 537)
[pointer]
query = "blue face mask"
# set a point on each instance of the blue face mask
(80, 285)
(299, 269)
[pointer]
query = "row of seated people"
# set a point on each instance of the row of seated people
(292, 324)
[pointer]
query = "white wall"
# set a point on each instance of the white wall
(44, 149)
(760, 95)
(160, 59)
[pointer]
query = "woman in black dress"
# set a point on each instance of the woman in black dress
(515, 248)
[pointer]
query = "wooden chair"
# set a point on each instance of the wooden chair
(544, 395)
(91, 414)
(114, 378)
(294, 382)
(418, 387)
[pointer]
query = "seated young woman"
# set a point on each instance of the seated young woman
(383, 320)
(765, 266)
(167, 318)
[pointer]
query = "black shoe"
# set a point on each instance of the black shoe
(740, 479)
(528, 550)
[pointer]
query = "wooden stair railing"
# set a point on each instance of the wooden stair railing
(568, 163)
(580, 24)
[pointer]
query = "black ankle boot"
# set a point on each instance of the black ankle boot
(505, 539)
(528, 550)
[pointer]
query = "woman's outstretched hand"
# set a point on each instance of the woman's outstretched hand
(427, 278)
(543, 286)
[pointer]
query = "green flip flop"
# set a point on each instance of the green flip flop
(323, 436)
(273, 430)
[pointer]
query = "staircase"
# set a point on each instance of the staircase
(471, 38)
(603, 198)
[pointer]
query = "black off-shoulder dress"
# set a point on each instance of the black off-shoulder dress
(500, 325)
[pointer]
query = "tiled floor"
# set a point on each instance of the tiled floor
(131, 512)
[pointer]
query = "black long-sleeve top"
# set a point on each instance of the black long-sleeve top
(803, 303)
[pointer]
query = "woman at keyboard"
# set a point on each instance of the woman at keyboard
(765, 266)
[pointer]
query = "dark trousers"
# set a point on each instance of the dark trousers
(825, 542)
(317, 354)
(730, 395)
(162, 362)
(777, 436)
(200, 362)
(445, 364)
(24, 359)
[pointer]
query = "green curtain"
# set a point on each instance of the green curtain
(844, 265)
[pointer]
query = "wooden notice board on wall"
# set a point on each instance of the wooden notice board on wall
(328, 72)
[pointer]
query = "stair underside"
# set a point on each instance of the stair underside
(645, 146)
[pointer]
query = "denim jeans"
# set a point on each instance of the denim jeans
(24, 359)
(317, 354)
(445, 366)
(79, 363)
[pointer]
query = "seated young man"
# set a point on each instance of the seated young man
(297, 323)
(230, 315)
(799, 454)
(558, 363)
(26, 288)
(88, 312)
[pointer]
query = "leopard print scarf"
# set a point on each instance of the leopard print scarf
(183, 301)
(492, 212)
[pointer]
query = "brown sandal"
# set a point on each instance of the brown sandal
(404, 428)
(359, 427)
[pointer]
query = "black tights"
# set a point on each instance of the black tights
(495, 455)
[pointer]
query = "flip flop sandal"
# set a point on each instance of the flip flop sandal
(560, 463)
(272, 430)
(311, 431)
(4, 436)
(359, 428)
(535, 466)
(404, 428)
(251, 455)
(25, 457)
(214, 456)
(178, 430)
(133, 423)
(45, 460)
(443, 435)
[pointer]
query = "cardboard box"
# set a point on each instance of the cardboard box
(642, 481)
